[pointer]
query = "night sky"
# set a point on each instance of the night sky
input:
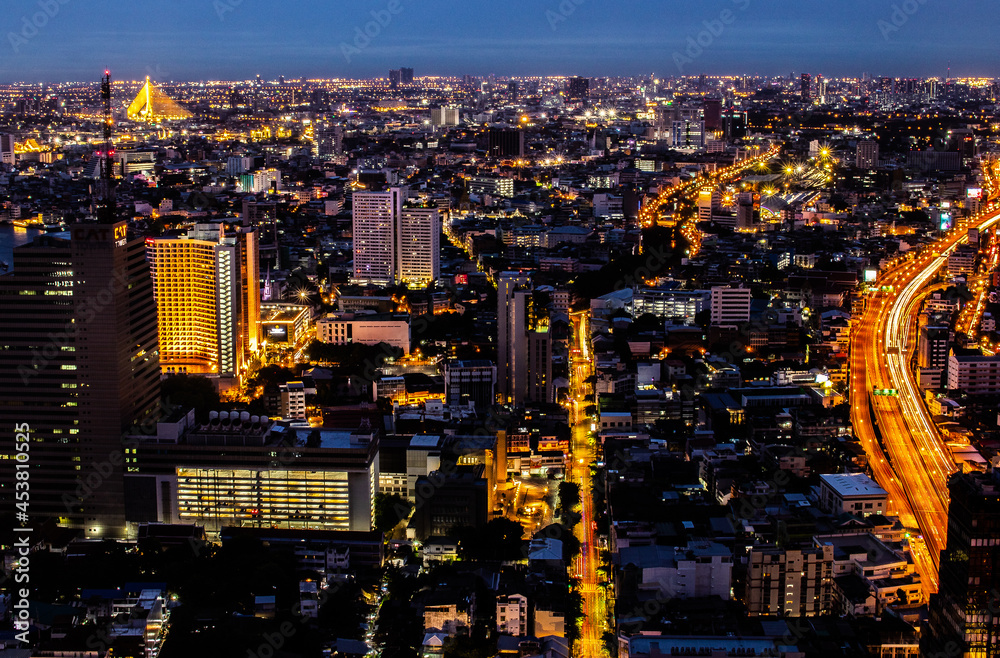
(238, 39)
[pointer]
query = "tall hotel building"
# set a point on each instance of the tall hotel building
(524, 344)
(394, 244)
(207, 288)
(79, 366)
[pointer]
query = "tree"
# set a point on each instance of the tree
(314, 440)
(390, 509)
(191, 391)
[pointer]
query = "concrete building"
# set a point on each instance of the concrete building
(7, 150)
(293, 400)
(730, 306)
(789, 582)
(854, 493)
(868, 153)
(697, 570)
(524, 345)
(512, 615)
(474, 380)
(974, 375)
(340, 328)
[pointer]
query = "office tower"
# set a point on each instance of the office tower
(524, 345)
(329, 142)
(688, 133)
(712, 110)
(578, 88)
(472, 380)
(445, 116)
(79, 367)
(821, 85)
(406, 76)
(237, 165)
(394, 245)
(734, 124)
(730, 306)
(747, 211)
(805, 88)
(964, 614)
(512, 90)
(395, 76)
(207, 287)
(868, 153)
(7, 149)
(506, 143)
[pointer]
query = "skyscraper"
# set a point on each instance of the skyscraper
(965, 613)
(395, 245)
(395, 76)
(524, 344)
(406, 76)
(805, 87)
(207, 287)
(578, 88)
(80, 357)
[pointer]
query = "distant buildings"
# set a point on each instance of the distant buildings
(208, 296)
(445, 116)
(506, 143)
(82, 362)
(7, 149)
(472, 380)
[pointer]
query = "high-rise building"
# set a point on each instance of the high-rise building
(80, 358)
(263, 217)
(7, 149)
(713, 113)
(329, 142)
(473, 380)
(524, 344)
(868, 153)
(578, 88)
(395, 245)
(964, 614)
(730, 306)
(395, 76)
(237, 165)
(932, 347)
(406, 76)
(506, 143)
(805, 87)
(445, 116)
(207, 286)
(687, 133)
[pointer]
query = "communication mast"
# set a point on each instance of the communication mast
(108, 209)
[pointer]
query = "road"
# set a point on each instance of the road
(595, 612)
(906, 453)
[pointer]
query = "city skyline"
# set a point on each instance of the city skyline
(53, 42)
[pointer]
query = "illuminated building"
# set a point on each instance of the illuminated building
(80, 357)
(345, 328)
(789, 582)
(577, 88)
(261, 181)
(730, 306)
(524, 344)
(393, 244)
(248, 471)
(283, 325)
(687, 133)
(329, 142)
(445, 116)
(208, 296)
(964, 619)
(152, 105)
